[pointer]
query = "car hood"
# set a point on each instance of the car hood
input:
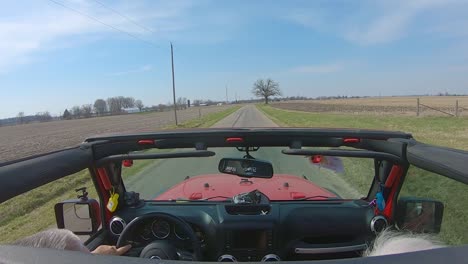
(280, 187)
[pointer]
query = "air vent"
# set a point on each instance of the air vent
(271, 257)
(227, 258)
(378, 224)
(117, 225)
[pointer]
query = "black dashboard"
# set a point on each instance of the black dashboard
(300, 230)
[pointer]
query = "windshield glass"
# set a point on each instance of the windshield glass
(295, 177)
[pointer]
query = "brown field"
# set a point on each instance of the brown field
(382, 105)
(30, 139)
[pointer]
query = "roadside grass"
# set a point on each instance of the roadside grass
(207, 120)
(33, 211)
(442, 131)
(359, 173)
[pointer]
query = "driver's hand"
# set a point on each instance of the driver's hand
(111, 250)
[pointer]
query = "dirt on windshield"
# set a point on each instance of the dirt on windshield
(31, 139)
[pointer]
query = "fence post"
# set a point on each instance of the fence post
(456, 108)
(417, 108)
(199, 112)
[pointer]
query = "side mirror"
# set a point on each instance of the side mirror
(249, 168)
(419, 215)
(81, 216)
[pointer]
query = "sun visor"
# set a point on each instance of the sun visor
(452, 163)
(19, 177)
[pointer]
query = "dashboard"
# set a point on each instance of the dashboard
(161, 229)
(227, 232)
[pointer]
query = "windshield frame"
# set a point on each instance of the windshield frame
(365, 193)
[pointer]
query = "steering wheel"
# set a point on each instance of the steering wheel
(160, 249)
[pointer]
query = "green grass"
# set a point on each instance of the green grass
(359, 173)
(33, 211)
(443, 131)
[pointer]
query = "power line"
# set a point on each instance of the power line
(103, 23)
(124, 16)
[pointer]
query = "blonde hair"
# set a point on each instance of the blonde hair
(392, 242)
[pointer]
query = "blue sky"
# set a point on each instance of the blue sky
(52, 58)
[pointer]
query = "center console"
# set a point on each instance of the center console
(248, 244)
(248, 230)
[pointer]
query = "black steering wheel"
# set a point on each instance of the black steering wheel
(160, 249)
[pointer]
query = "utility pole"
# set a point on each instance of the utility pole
(227, 99)
(173, 85)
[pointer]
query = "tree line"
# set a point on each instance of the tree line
(101, 107)
(38, 117)
(110, 106)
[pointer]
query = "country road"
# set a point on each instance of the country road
(247, 116)
(160, 175)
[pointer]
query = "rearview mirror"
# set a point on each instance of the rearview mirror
(248, 168)
(419, 215)
(79, 216)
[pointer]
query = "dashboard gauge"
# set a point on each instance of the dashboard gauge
(146, 233)
(161, 229)
(180, 234)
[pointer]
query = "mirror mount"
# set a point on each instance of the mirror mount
(84, 195)
(81, 216)
(247, 154)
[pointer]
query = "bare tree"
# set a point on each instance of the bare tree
(86, 110)
(162, 107)
(139, 104)
(115, 104)
(266, 89)
(76, 111)
(128, 102)
(181, 103)
(43, 116)
(20, 118)
(100, 106)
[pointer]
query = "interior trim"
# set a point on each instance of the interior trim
(330, 249)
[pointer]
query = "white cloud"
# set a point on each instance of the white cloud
(324, 68)
(144, 68)
(26, 33)
(370, 22)
(384, 29)
(393, 24)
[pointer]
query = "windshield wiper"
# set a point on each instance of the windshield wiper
(317, 196)
(219, 196)
(228, 199)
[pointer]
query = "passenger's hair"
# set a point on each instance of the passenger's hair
(394, 242)
(54, 238)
